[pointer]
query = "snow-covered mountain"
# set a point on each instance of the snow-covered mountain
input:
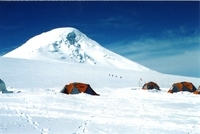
(70, 45)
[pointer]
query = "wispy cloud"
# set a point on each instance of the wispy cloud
(10, 27)
(169, 55)
(181, 31)
(167, 41)
(119, 21)
(187, 64)
(157, 47)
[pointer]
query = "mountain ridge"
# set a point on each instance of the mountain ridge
(68, 44)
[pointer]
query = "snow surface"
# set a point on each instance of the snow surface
(38, 70)
(70, 45)
(122, 106)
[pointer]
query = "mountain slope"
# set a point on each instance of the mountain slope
(70, 45)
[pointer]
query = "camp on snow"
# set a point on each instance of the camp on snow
(182, 86)
(76, 88)
(150, 85)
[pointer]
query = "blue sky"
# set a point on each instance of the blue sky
(163, 36)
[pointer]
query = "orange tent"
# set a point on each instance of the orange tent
(76, 88)
(150, 85)
(182, 86)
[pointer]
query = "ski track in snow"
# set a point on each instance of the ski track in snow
(24, 113)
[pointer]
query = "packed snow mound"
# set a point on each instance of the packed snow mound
(70, 45)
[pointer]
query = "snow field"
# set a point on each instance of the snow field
(122, 110)
(122, 106)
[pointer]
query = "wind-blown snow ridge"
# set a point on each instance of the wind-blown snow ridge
(70, 45)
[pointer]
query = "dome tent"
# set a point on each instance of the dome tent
(182, 86)
(3, 87)
(76, 88)
(151, 85)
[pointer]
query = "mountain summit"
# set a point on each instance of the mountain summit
(70, 45)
